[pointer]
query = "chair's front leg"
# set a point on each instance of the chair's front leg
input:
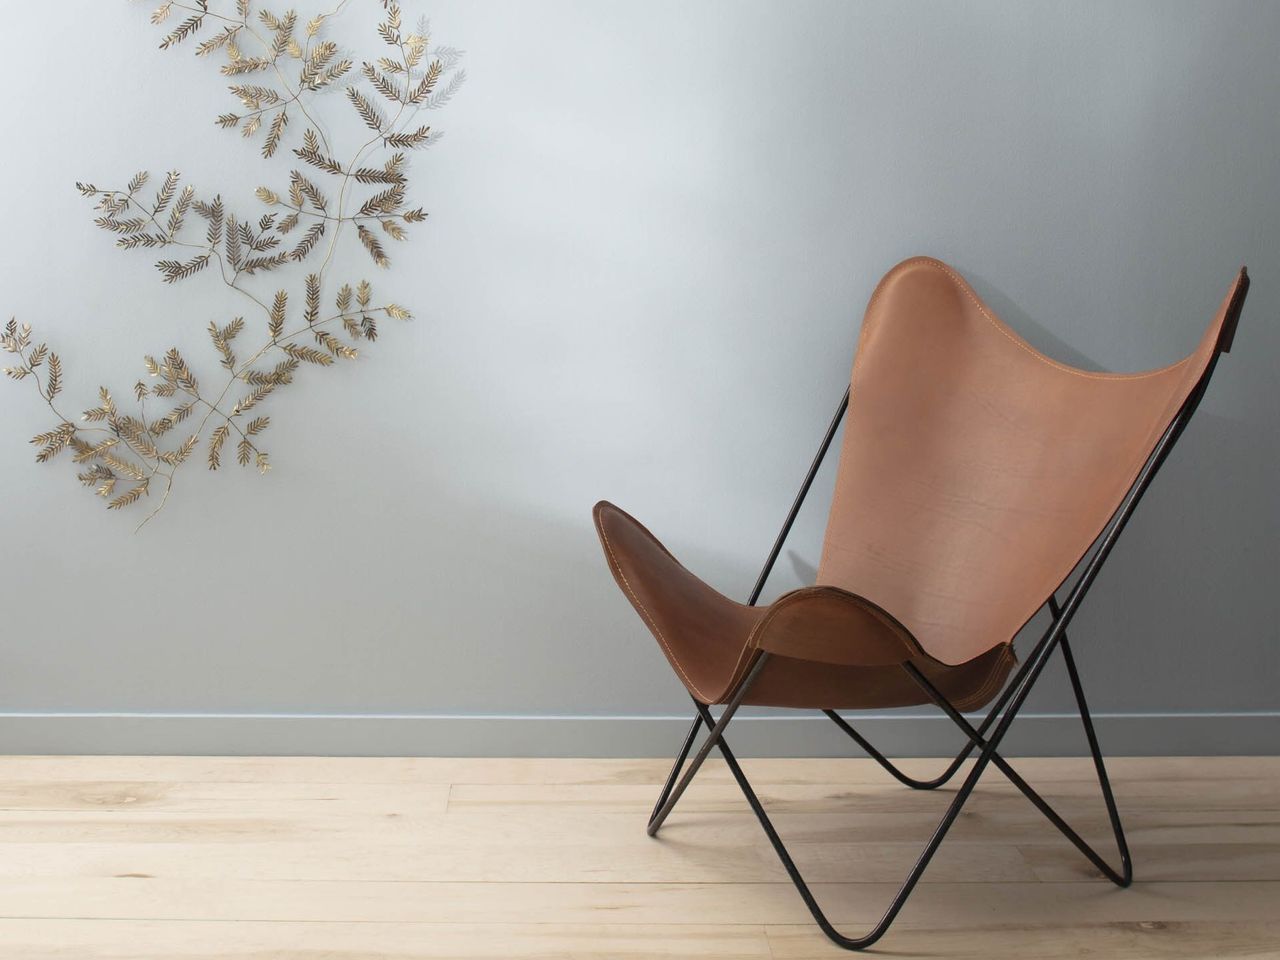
(1021, 687)
(675, 768)
(878, 931)
(716, 731)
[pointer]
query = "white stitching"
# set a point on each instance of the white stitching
(859, 602)
(853, 599)
(644, 612)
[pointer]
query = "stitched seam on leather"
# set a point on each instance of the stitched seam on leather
(1018, 341)
(988, 689)
(853, 600)
(644, 612)
(747, 647)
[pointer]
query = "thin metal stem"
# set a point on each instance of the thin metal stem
(951, 769)
(716, 730)
(1016, 779)
(799, 500)
(1113, 814)
(675, 767)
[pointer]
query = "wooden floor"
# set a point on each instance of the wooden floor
(399, 859)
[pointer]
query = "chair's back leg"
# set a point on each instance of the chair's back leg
(1126, 863)
(952, 767)
(1120, 879)
(890, 766)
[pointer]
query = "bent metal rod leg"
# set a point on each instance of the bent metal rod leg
(716, 730)
(891, 767)
(1126, 863)
(948, 773)
(675, 768)
(1120, 879)
(1025, 679)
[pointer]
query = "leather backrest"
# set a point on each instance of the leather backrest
(975, 471)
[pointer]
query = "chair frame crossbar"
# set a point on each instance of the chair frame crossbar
(985, 739)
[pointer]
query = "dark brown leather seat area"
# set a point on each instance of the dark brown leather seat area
(711, 641)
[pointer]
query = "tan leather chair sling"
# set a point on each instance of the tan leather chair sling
(975, 474)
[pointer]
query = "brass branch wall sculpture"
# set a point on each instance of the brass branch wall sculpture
(281, 71)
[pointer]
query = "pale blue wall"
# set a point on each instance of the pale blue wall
(654, 226)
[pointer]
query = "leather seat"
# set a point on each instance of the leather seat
(833, 649)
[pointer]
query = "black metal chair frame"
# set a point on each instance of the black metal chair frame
(997, 721)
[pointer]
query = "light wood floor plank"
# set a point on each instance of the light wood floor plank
(313, 819)
(182, 796)
(1175, 940)
(936, 906)
(365, 856)
(883, 796)
(179, 940)
(1168, 861)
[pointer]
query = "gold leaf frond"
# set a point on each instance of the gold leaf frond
(166, 192)
(313, 236)
(381, 82)
(129, 497)
(368, 112)
(386, 201)
(305, 188)
(424, 88)
(312, 313)
(307, 354)
(275, 320)
(92, 451)
(185, 29)
(274, 134)
(127, 467)
(216, 440)
(175, 270)
(53, 383)
(372, 244)
(223, 39)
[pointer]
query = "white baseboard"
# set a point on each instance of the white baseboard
(1198, 734)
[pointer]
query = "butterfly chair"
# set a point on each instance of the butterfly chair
(975, 475)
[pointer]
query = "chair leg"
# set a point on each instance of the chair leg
(675, 767)
(878, 931)
(716, 729)
(951, 769)
(1121, 878)
(1021, 685)
(891, 767)
(946, 774)
(1027, 677)
(1126, 863)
